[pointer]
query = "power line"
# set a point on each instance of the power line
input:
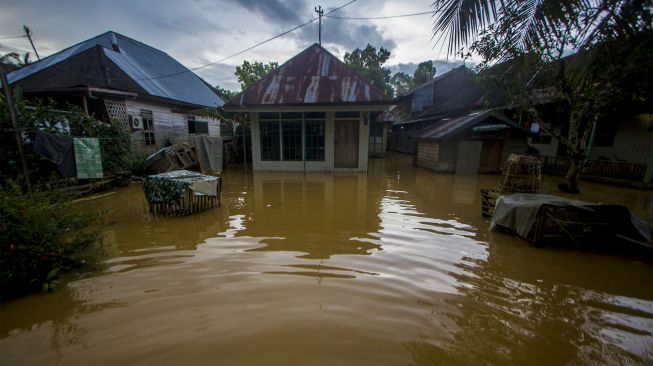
(252, 47)
(12, 37)
(383, 17)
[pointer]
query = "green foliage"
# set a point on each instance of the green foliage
(425, 72)
(401, 83)
(41, 235)
(530, 24)
(135, 163)
(369, 63)
(225, 94)
(250, 72)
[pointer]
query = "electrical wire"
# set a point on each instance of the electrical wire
(383, 17)
(250, 48)
(1, 38)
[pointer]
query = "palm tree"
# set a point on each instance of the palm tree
(533, 22)
(15, 59)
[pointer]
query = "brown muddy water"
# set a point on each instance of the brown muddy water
(395, 267)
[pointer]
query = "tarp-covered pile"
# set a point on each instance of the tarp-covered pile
(181, 192)
(545, 219)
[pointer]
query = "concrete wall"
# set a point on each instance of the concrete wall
(166, 123)
(314, 166)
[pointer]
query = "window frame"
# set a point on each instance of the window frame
(149, 136)
(284, 118)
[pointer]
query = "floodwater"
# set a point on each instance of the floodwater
(396, 267)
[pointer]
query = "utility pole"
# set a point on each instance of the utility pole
(28, 34)
(320, 13)
(14, 121)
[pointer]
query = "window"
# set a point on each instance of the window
(292, 140)
(270, 147)
(148, 127)
(292, 136)
(605, 133)
(197, 127)
(314, 136)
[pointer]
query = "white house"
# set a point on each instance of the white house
(313, 113)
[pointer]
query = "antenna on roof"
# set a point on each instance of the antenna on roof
(320, 14)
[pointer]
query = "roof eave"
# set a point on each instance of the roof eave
(360, 106)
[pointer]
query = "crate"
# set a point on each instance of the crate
(489, 201)
(522, 174)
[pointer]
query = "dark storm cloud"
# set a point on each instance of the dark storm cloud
(277, 10)
(345, 35)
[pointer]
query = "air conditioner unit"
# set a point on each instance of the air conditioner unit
(136, 122)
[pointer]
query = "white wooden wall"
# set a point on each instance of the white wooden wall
(166, 123)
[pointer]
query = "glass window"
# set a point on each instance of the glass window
(197, 127)
(270, 149)
(292, 140)
(314, 137)
(284, 136)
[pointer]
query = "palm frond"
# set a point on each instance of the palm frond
(461, 20)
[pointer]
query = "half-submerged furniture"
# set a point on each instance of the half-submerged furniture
(181, 192)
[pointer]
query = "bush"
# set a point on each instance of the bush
(135, 163)
(41, 235)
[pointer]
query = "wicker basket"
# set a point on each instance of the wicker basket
(523, 174)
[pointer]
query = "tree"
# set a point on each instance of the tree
(425, 72)
(401, 82)
(250, 72)
(225, 94)
(369, 63)
(531, 42)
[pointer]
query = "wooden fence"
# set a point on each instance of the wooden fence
(596, 168)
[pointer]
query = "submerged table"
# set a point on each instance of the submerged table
(182, 192)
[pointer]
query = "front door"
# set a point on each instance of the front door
(346, 144)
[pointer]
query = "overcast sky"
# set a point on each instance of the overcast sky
(198, 32)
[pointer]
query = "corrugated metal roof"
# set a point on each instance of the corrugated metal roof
(449, 127)
(145, 65)
(312, 77)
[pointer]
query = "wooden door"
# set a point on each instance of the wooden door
(346, 144)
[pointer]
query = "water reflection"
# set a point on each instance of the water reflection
(316, 215)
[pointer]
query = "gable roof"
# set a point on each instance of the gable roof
(312, 77)
(450, 127)
(114, 61)
(456, 91)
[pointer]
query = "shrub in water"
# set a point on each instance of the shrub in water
(40, 235)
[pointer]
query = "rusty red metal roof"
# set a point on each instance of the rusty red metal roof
(312, 77)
